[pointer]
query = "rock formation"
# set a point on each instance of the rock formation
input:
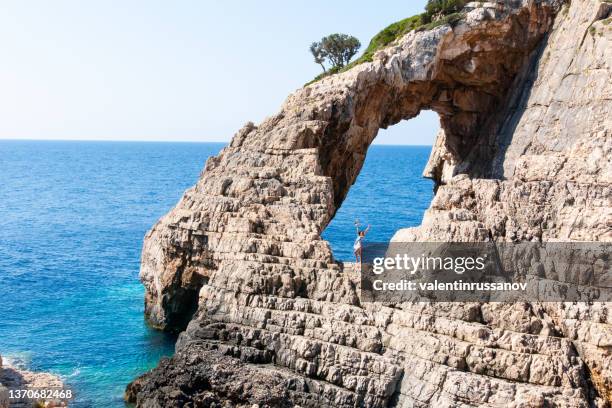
(4, 400)
(523, 91)
(19, 379)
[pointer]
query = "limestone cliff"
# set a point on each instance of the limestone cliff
(523, 91)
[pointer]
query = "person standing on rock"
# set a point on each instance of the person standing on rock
(358, 245)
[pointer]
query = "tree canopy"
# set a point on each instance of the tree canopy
(336, 49)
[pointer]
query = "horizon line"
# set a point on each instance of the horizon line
(163, 141)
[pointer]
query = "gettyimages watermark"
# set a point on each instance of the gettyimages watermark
(486, 272)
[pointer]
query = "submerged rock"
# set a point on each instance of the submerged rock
(523, 91)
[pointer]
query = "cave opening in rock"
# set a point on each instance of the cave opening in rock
(390, 192)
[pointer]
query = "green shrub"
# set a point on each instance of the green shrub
(390, 34)
(451, 19)
(437, 13)
(443, 7)
(379, 41)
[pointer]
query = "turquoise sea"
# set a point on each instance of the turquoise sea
(72, 219)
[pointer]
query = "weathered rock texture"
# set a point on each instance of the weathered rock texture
(523, 90)
(20, 379)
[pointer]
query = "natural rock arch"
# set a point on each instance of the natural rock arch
(313, 149)
(242, 249)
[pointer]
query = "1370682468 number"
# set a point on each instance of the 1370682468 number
(40, 394)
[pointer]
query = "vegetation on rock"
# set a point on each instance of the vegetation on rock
(337, 49)
(437, 12)
(435, 9)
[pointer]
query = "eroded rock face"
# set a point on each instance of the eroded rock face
(19, 379)
(524, 101)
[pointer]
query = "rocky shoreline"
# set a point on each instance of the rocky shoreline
(523, 91)
(18, 379)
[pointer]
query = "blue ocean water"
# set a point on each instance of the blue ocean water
(390, 193)
(72, 219)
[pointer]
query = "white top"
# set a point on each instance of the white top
(358, 242)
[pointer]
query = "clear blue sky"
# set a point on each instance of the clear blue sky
(170, 70)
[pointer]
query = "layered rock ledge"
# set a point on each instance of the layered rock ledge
(523, 91)
(15, 378)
